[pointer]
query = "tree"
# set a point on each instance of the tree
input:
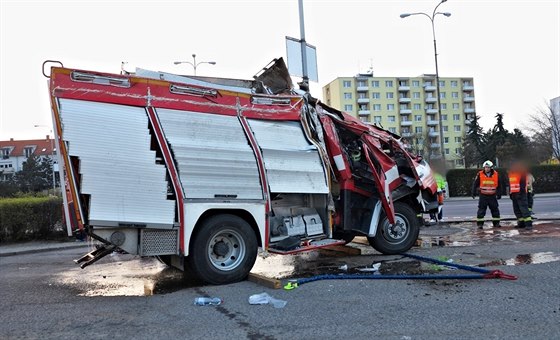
(473, 150)
(36, 175)
(546, 132)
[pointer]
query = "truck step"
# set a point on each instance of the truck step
(95, 255)
(307, 246)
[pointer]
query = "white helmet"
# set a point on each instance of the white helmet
(488, 164)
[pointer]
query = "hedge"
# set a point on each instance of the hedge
(547, 179)
(28, 218)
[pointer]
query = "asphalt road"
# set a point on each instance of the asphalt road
(45, 295)
(545, 206)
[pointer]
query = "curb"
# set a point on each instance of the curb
(41, 250)
(454, 221)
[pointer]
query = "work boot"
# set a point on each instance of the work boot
(480, 225)
(497, 225)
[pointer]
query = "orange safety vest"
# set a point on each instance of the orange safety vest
(488, 185)
(514, 182)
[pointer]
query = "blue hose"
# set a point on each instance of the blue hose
(483, 273)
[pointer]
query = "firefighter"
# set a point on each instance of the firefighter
(518, 194)
(487, 185)
(440, 181)
(530, 192)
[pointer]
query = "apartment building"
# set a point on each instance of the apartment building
(408, 106)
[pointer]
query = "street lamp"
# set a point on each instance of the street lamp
(194, 64)
(52, 154)
(432, 17)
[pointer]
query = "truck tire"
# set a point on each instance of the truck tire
(223, 250)
(401, 236)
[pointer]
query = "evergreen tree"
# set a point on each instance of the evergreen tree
(36, 175)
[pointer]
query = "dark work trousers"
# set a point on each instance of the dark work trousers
(488, 201)
(530, 200)
(521, 210)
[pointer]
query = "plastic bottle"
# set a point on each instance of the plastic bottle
(204, 301)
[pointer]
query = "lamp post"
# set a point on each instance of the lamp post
(432, 17)
(52, 155)
(194, 64)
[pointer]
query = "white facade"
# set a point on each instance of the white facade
(13, 153)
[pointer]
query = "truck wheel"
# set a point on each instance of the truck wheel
(400, 237)
(223, 250)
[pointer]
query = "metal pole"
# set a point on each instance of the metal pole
(305, 76)
(194, 63)
(52, 165)
(442, 150)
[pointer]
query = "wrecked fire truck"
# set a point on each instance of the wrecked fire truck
(202, 172)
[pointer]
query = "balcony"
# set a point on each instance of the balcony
(363, 112)
(429, 88)
(435, 146)
(362, 88)
(405, 111)
(406, 134)
(468, 87)
(468, 99)
(406, 123)
(469, 110)
(431, 99)
(431, 111)
(404, 100)
(468, 121)
(433, 134)
(404, 88)
(432, 122)
(363, 100)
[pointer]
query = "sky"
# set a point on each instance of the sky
(511, 48)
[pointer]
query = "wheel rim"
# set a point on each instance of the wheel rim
(226, 250)
(397, 232)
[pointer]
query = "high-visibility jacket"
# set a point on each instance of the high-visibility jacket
(440, 181)
(488, 185)
(515, 182)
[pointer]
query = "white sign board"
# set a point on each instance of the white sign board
(295, 64)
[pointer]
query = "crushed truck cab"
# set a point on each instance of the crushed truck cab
(202, 172)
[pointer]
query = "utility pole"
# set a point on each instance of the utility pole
(303, 43)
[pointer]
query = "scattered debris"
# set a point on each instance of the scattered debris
(265, 299)
(205, 301)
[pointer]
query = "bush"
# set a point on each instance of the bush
(28, 218)
(547, 179)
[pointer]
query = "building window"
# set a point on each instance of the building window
(456, 106)
(415, 83)
(363, 107)
(362, 95)
(445, 140)
(443, 117)
(458, 162)
(389, 95)
(418, 118)
(376, 107)
(446, 151)
(347, 83)
(347, 95)
(418, 129)
(442, 95)
(5, 153)
(442, 83)
(444, 106)
(364, 119)
(456, 117)
(403, 106)
(377, 119)
(348, 108)
(454, 94)
(428, 83)
(458, 140)
(375, 83)
(454, 83)
(417, 107)
(416, 95)
(390, 107)
(388, 83)
(362, 84)
(445, 128)
(457, 128)
(393, 130)
(457, 151)
(27, 151)
(391, 118)
(375, 95)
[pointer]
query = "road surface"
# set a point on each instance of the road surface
(545, 207)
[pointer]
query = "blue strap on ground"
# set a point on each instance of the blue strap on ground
(482, 273)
